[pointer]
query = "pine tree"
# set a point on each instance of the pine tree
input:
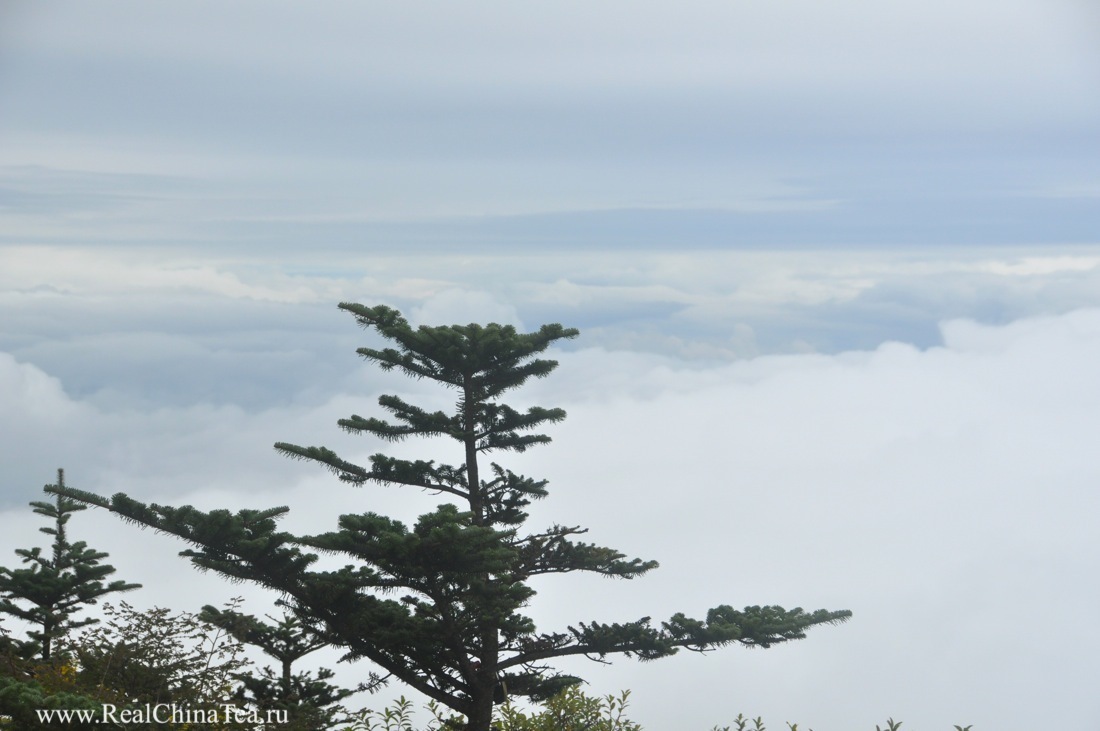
(59, 584)
(310, 701)
(439, 605)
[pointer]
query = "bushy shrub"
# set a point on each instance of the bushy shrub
(570, 710)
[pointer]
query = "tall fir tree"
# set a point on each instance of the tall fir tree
(58, 584)
(456, 631)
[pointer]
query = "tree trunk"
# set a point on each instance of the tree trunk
(480, 717)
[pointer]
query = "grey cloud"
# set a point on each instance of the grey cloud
(828, 212)
(158, 450)
(463, 115)
(186, 350)
(619, 45)
(198, 335)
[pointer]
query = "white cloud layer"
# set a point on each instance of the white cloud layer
(946, 495)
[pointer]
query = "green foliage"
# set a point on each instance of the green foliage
(439, 604)
(58, 584)
(571, 710)
(22, 698)
(399, 717)
(741, 723)
(131, 659)
(157, 656)
(310, 701)
(28, 684)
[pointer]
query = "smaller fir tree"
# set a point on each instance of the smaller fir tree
(55, 585)
(311, 702)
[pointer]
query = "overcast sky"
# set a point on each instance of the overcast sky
(836, 268)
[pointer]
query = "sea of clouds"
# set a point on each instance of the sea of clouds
(945, 493)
